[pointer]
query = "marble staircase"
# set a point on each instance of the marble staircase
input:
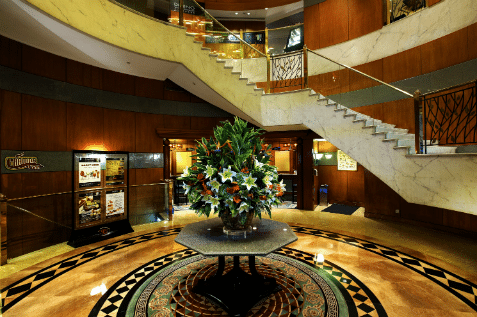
(443, 180)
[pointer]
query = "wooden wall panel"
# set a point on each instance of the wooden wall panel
(147, 139)
(400, 113)
(200, 123)
(365, 16)
(421, 213)
(337, 183)
(10, 53)
(84, 75)
(149, 175)
(379, 198)
(44, 183)
(358, 81)
(176, 95)
(432, 2)
(118, 82)
(355, 185)
(15, 230)
(149, 88)
(85, 127)
(12, 185)
(43, 63)
(43, 124)
(403, 65)
(119, 130)
(177, 122)
(10, 120)
(254, 26)
(444, 52)
(312, 26)
(132, 176)
(333, 21)
(472, 41)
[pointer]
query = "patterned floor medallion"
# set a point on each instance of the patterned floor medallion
(304, 291)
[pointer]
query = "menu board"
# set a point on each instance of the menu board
(89, 169)
(114, 171)
(89, 205)
(114, 203)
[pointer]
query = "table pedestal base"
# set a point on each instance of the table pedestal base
(237, 292)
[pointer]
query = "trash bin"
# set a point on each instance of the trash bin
(324, 195)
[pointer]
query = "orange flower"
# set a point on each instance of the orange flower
(270, 186)
(250, 195)
(203, 186)
(200, 176)
(279, 194)
(209, 192)
(263, 197)
(237, 199)
(245, 170)
(233, 189)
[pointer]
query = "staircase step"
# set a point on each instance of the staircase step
(205, 48)
(250, 83)
(198, 42)
(398, 135)
(190, 34)
(213, 55)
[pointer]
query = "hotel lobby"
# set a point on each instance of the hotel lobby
(103, 106)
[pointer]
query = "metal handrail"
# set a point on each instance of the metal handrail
(242, 41)
(366, 75)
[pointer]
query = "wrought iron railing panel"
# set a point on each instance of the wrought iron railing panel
(451, 118)
(402, 8)
(287, 70)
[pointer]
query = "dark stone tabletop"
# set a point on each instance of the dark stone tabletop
(207, 238)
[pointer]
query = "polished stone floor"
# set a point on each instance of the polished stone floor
(388, 269)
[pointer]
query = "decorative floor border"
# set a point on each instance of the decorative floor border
(458, 286)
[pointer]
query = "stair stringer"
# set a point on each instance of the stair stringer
(446, 181)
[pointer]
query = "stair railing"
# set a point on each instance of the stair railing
(214, 32)
(449, 115)
(353, 88)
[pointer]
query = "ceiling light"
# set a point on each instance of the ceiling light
(266, 8)
(236, 13)
(248, 13)
(328, 156)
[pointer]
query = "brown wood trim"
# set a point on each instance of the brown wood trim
(183, 134)
(460, 232)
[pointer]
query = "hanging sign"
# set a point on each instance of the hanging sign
(20, 162)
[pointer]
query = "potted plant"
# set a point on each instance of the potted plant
(231, 176)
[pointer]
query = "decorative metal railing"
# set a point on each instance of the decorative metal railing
(402, 8)
(449, 116)
(288, 70)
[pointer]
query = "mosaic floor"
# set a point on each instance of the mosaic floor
(147, 274)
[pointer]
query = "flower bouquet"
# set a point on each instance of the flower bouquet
(232, 177)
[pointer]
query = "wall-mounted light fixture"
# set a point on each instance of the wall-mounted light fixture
(316, 157)
(328, 156)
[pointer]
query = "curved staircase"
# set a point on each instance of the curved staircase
(444, 180)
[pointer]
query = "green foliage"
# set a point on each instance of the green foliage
(232, 172)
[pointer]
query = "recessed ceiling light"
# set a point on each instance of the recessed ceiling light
(248, 13)
(266, 8)
(236, 13)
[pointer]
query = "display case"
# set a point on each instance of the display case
(100, 196)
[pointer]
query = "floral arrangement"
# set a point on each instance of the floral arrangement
(232, 173)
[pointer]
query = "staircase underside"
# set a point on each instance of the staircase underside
(103, 34)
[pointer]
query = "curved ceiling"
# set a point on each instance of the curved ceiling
(243, 5)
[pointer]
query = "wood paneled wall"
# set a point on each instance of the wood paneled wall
(25, 58)
(382, 202)
(344, 187)
(336, 21)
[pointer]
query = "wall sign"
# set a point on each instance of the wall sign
(20, 162)
(346, 163)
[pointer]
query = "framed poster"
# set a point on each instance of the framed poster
(115, 203)
(88, 207)
(115, 171)
(89, 169)
(346, 163)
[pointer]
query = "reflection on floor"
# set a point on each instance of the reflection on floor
(374, 268)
